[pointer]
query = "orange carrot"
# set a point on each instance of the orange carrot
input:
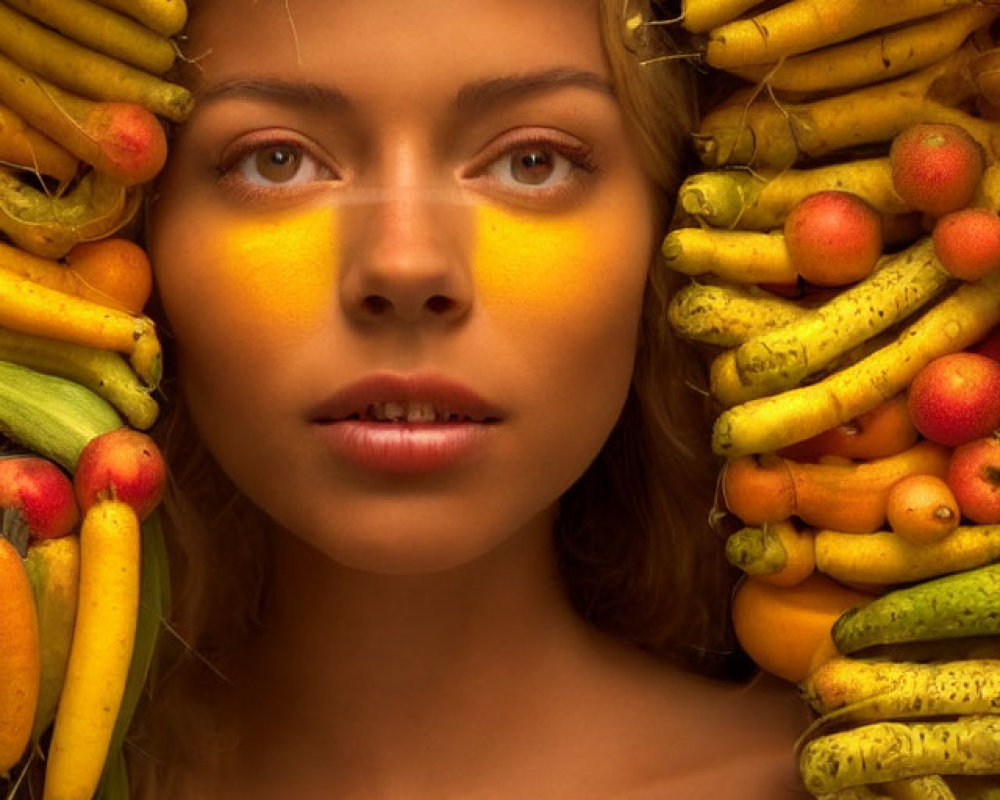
(848, 496)
(23, 146)
(20, 657)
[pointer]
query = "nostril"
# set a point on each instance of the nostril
(376, 305)
(439, 304)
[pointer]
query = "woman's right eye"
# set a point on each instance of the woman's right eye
(264, 166)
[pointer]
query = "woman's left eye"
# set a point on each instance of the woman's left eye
(531, 166)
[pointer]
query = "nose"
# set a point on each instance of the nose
(407, 257)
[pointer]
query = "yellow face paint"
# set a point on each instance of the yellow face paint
(282, 268)
(559, 265)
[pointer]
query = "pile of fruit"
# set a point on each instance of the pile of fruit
(843, 241)
(83, 574)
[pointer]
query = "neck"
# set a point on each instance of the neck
(376, 669)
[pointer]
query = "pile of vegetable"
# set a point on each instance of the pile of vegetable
(83, 572)
(843, 242)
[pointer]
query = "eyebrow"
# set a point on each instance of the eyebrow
(278, 90)
(476, 96)
(484, 94)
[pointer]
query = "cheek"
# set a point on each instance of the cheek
(276, 276)
(575, 278)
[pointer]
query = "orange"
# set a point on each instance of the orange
(112, 272)
(786, 630)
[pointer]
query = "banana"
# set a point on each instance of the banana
(54, 569)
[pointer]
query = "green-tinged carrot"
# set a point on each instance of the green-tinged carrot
(26, 148)
(166, 17)
(876, 57)
(123, 140)
(862, 690)
(770, 423)
(82, 71)
(103, 30)
(104, 372)
(777, 553)
(54, 568)
(797, 26)
(782, 358)
(952, 607)
(51, 225)
(726, 314)
(760, 201)
(767, 132)
(886, 557)
(890, 751)
(734, 256)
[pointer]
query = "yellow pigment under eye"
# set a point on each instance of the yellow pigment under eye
(284, 267)
(531, 263)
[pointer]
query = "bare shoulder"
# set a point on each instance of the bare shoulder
(720, 740)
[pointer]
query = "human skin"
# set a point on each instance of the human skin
(462, 200)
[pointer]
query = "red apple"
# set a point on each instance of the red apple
(974, 478)
(41, 493)
(956, 398)
(967, 242)
(936, 167)
(833, 238)
(125, 464)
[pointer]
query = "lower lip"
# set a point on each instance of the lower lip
(404, 448)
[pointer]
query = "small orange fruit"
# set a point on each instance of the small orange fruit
(922, 509)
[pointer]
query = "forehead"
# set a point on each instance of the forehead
(412, 41)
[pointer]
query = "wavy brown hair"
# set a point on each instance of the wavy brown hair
(635, 546)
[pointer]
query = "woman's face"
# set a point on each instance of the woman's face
(402, 248)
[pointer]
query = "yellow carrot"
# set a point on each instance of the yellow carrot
(770, 423)
(782, 358)
(797, 26)
(83, 71)
(877, 57)
(37, 310)
(114, 272)
(772, 133)
(103, 638)
(885, 751)
(862, 690)
(699, 16)
(734, 256)
(760, 200)
(166, 17)
(887, 558)
(20, 657)
(23, 146)
(104, 31)
(727, 314)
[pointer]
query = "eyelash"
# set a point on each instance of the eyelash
(580, 158)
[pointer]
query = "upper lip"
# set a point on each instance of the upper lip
(448, 398)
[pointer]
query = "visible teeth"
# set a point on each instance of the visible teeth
(397, 412)
(420, 412)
